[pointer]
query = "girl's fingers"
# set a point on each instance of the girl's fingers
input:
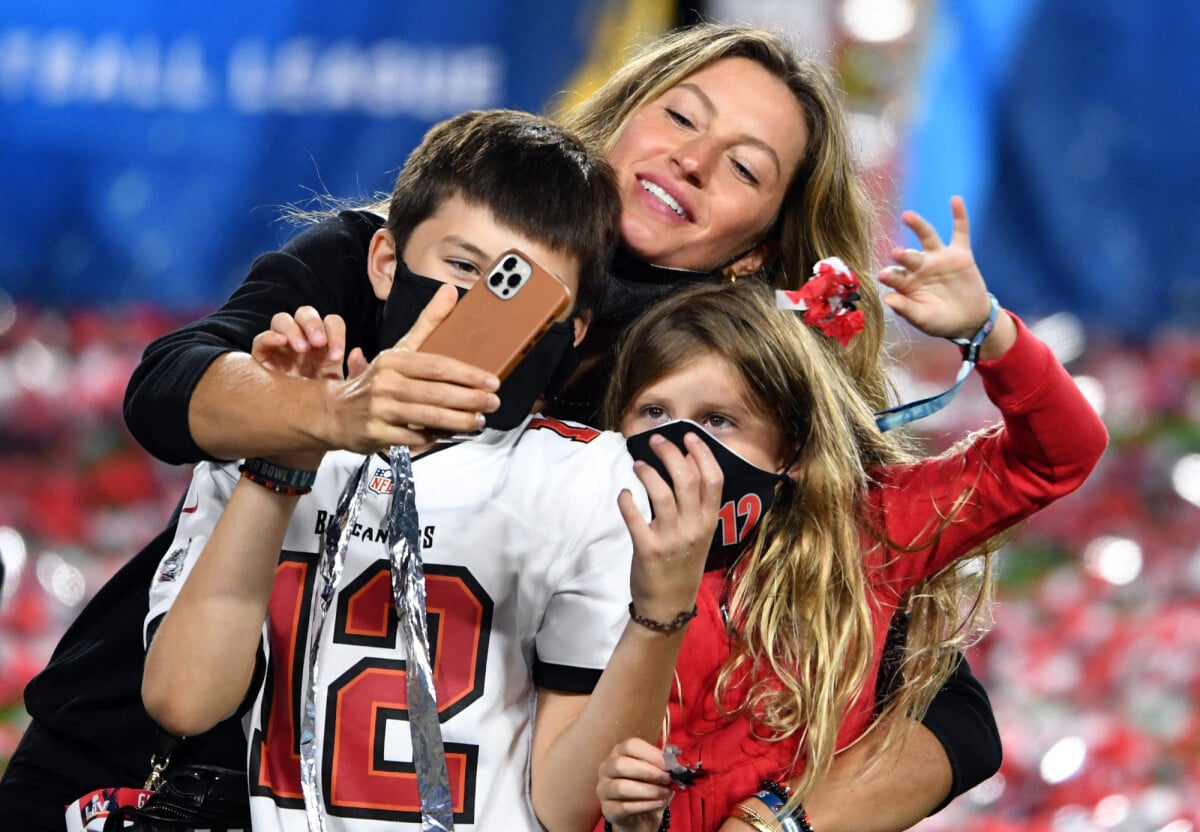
(638, 807)
(926, 234)
(633, 518)
(908, 260)
(712, 478)
(962, 223)
(634, 759)
(895, 277)
(901, 304)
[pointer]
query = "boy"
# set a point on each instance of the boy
(526, 554)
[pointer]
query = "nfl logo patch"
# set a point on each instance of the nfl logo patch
(381, 481)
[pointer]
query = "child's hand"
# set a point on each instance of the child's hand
(669, 552)
(634, 787)
(938, 290)
(305, 345)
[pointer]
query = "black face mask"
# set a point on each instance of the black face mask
(746, 496)
(543, 371)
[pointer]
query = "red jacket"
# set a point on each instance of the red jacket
(1050, 442)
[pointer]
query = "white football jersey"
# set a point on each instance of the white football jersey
(527, 582)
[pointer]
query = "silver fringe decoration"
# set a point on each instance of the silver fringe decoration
(333, 558)
(408, 590)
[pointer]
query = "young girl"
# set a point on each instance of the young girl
(778, 670)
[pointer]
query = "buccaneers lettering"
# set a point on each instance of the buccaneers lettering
(368, 533)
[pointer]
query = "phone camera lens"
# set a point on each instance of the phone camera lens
(496, 279)
(510, 263)
(514, 280)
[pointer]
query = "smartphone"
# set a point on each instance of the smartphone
(502, 316)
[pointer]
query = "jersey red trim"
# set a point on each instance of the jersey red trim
(576, 433)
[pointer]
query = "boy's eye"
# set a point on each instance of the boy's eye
(718, 420)
(464, 266)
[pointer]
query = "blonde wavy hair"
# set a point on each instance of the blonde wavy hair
(826, 211)
(799, 600)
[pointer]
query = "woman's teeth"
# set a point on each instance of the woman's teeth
(663, 197)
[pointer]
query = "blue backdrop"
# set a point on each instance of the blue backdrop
(1072, 128)
(147, 147)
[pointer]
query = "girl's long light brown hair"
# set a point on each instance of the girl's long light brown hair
(798, 601)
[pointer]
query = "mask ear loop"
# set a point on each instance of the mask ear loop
(791, 462)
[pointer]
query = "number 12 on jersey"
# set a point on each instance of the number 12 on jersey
(357, 779)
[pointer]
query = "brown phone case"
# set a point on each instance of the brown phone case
(501, 317)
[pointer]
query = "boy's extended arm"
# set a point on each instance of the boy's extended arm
(202, 657)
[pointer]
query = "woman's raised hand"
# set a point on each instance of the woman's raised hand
(669, 552)
(304, 345)
(406, 397)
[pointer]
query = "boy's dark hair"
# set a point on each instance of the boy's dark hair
(530, 173)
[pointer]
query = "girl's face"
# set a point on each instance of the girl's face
(703, 169)
(710, 392)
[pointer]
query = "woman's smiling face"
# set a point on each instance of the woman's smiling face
(703, 168)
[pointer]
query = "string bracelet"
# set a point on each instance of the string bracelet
(278, 478)
(678, 623)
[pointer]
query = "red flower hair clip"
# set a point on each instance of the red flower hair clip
(827, 300)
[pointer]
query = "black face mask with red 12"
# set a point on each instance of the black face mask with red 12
(745, 497)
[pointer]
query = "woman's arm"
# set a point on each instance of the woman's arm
(197, 394)
(323, 267)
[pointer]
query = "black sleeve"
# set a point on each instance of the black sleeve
(961, 718)
(960, 715)
(324, 267)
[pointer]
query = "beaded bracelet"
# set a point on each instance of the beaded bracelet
(678, 623)
(278, 478)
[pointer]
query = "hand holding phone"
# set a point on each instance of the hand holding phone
(502, 316)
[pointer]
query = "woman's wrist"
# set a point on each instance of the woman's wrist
(768, 810)
(757, 815)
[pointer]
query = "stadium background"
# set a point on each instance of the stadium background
(147, 150)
